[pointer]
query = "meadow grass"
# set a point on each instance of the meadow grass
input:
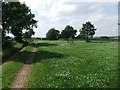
(11, 68)
(58, 64)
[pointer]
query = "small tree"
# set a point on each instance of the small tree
(87, 30)
(68, 32)
(52, 34)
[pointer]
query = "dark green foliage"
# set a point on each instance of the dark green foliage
(81, 36)
(52, 34)
(9, 47)
(104, 37)
(29, 33)
(87, 31)
(17, 17)
(68, 32)
(6, 43)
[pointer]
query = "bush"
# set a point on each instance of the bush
(10, 47)
(104, 38)
(6, 44)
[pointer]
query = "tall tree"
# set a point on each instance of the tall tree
(68, 32)
(52, 34)
(17, 17)
(87, 30)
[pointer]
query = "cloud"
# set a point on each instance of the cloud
(108, 26)
(92, 0)
(59, 13)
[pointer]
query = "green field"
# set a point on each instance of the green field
(58, 64)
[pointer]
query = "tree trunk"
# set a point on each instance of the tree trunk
(87, 39)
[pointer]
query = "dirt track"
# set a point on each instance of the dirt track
(21, 78)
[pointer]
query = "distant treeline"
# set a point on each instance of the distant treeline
(86, 32)
(78, 38)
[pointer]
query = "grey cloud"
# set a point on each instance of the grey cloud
(83, 12)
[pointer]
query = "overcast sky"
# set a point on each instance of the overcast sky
(59, 13)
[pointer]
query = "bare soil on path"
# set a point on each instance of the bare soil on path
(21, 78)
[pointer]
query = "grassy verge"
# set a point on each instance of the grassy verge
(13, 48)
(9, 70)
(60, 65)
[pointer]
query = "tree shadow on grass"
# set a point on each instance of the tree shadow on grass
(12, 55)
(19, 57)
(10, 52)
(42, 44)
(46, 55)
(27, 58)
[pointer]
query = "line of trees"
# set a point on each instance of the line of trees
(86, 32)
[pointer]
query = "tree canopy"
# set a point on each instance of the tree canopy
(87, 31)
(17, 17)
(68, 32)
(52, 34)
